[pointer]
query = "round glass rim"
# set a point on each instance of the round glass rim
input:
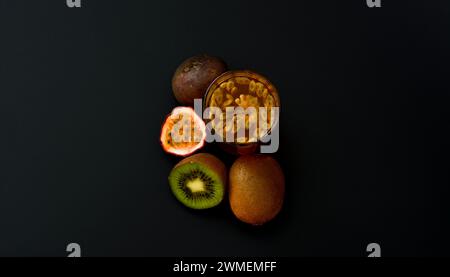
(244, 73)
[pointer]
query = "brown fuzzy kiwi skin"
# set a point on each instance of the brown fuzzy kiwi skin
(193, 77)
(209, 161)
(256, 189)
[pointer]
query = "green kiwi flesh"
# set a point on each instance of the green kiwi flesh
(196, 186)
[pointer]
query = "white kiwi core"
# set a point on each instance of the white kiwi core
(196, 185)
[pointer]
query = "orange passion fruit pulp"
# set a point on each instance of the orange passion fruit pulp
(183, 132)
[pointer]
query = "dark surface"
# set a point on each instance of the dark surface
(365, 95)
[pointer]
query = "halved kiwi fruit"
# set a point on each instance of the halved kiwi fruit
(199, 181)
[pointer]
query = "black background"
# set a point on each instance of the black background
(83, 93)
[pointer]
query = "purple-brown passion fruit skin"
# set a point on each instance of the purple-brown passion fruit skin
(193, 77)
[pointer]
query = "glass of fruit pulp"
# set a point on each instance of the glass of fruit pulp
(252, 93)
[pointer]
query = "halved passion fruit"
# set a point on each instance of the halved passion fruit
(183, 132)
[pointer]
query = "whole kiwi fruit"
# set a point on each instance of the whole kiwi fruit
(193, 77)
(199, 181)
(257, 187)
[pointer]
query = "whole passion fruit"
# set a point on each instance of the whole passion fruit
(193, 77)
